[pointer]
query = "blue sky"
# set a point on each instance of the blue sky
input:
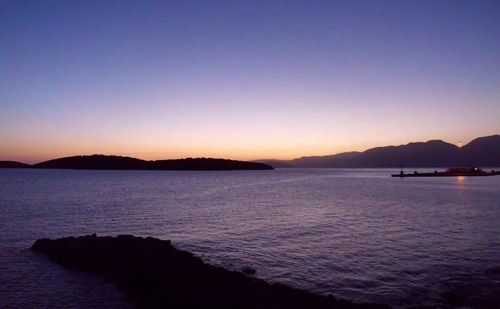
(243, 79)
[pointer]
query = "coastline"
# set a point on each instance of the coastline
(153, 273)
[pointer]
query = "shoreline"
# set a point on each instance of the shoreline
(153, 273)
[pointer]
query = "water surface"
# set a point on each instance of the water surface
(357, 234)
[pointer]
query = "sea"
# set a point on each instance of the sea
(357, 234)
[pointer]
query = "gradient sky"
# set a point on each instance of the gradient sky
(244, 79)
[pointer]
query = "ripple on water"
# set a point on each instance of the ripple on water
(356, 234)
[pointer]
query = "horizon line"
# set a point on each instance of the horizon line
(129, 154)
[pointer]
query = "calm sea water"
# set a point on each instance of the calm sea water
(357, 234)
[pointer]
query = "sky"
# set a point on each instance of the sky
(244, 79)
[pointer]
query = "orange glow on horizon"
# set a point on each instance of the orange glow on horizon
(275, 146)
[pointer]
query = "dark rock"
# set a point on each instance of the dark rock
(155, 274)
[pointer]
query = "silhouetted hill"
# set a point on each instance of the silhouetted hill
(95, 162)
(431, 153)
(13, 164)
(102, 162)
(483, 151)
(325, 161)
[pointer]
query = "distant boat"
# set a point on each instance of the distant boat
(451, 172)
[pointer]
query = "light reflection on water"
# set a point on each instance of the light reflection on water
(358, 234)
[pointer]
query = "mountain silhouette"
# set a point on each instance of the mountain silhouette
(482, 151)
(103, 162)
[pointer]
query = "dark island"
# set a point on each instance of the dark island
(13, 164)
(156, 275)
(103, 162)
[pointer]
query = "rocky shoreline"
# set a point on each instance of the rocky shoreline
(155, 274)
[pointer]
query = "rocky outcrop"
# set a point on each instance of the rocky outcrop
(156, 275)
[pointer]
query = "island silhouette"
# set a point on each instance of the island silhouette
(104, 162)
(13, 164)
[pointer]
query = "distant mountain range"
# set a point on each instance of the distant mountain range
(482, 151)
(102, 162)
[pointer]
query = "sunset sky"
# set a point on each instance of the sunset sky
(244, 79)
